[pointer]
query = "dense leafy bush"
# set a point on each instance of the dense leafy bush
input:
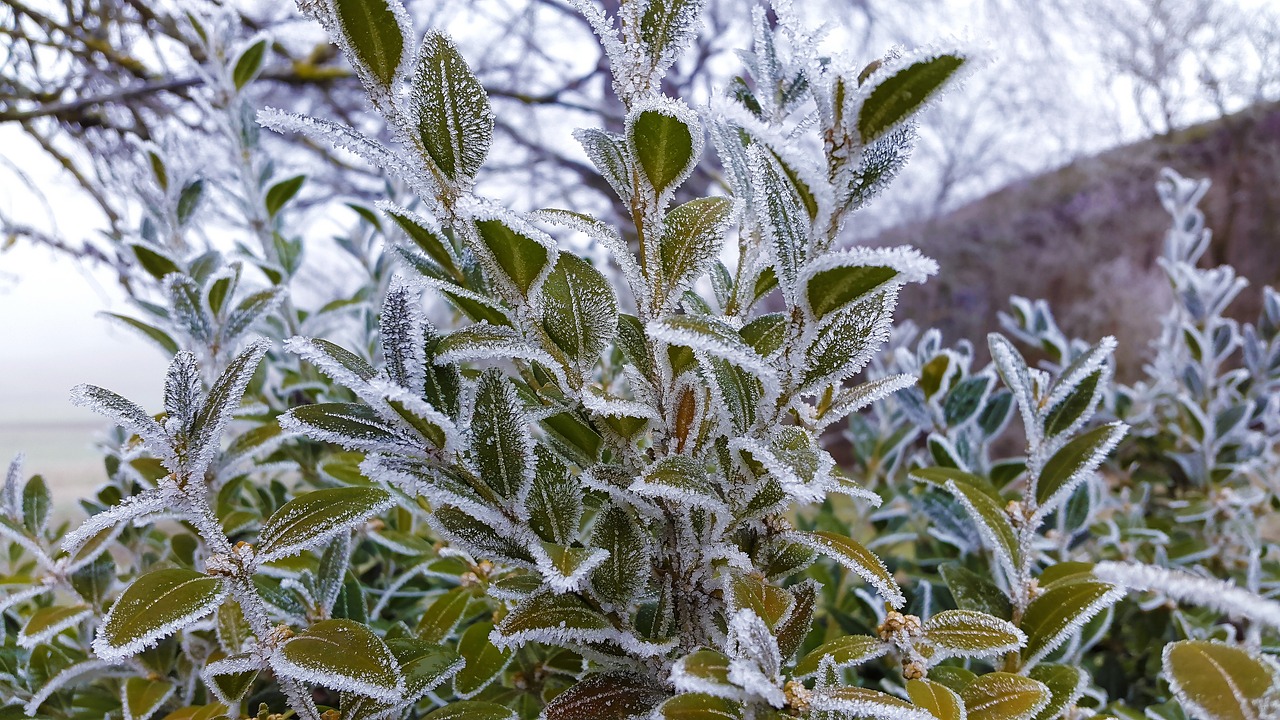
(598, 494)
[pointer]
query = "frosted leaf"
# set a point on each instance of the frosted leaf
(231, 665)
(349, 425)
(187, 308)
(616, 407)
(692, 235)
(400, 328)
(418, 476)
(903, 86)
(566, 569)
(149, 501)
(579, 310)
(183, 391)
(857, 702)
(993, 536)
(1064, 400)
(424, 420)
(614, 49)
(668, 164)
(842, 347)
(607, 151)
(450, 109)
(11, 495)
(1018, 378)
(129, 416)
(851, 400)
(342, 366)
(854, 557)
(755, 659)
(553, 620)
(1182, 586)
(603, 233)
(711, 336)
(483, 341)
(782, 217)
(221, 402)
(178, 596)
(343, 137)
(66, 617)
(514, 252)
(379, 54)
(482, 540)
(835, 281)
(17, 597)
(622, 575)
(666, 27)
(496, 312)
(681, 480)
(61, 680)
(1076, 462)
(501, 444)
(341, 655)
(966, 633)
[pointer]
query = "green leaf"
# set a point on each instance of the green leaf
(992, 521)
(691, 239)
(1074, 462)
(702, 668)
(343, 655)
(847, 341)
(843, 652)
(248, 64)
(152, 333)
(940, 475)
(312, 518)
(1215, 681)
(1004, 696)
(664, 145)
(1060, 610)
(1071, 408)
(606, 696)
(500, 439)
(967, 633)
(853, 556)
(679, 479)
(625, 572)
(698, 706)
(189, 200)
(522, 259)
(975, 592)
(965, 399)
(555, 500)
(154, 606)
(1066, 685)
(36, 501)
(836, 287)
(769, 602)
(425, 236)
(282, 192)
(484, 661)
(904, 92)
(443, 615)
(373, 32)
(423, 664)
(228, 681)
(471, 710)
(212, 711)
(864, 703)
(49, 621)
(941, 701)
(566, 567)
(608, 153)
(786, 222)
(711, 336)
(154, 262)
(478, 538)
(579, 310)
(450, 108)
(141, 697)
(351, 425)
(554, 619)
(665, 27)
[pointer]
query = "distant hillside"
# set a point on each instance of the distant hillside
(1086, 236)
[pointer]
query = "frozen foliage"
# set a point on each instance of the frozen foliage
(488, 479)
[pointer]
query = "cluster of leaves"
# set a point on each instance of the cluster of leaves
(594, 493)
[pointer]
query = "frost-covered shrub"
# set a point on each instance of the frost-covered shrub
(580, 493)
